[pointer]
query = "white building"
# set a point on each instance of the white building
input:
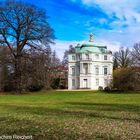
(90, 66)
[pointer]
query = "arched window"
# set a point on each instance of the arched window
(96, 70)
(96, 56)
(87, 56)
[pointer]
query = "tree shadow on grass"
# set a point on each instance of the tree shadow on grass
(80, 110)
(106, 106)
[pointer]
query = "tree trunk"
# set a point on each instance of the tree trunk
(18, 72)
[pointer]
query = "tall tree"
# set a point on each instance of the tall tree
(23, 25)
(136, 54)
(115, 64)
(66, 53)
(6, 68)
(55, 59)
(122, 58)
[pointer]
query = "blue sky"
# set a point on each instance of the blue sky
(113, 23)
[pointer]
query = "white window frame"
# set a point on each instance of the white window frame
(96, 70)
(86, 83)
(97, 56)
(73, 57)
(105, 57)
(85, 67)
(106, 70)
(73, 70)
(87, 56)
(78, 56)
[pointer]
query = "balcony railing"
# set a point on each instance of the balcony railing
(90, 59)
(86, 59)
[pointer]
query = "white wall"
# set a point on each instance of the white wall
(91, 76)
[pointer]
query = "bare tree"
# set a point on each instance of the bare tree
(136, 54)
(6, 68)
(23, 25)
(66, 53)
(122, 58)
(115, 64)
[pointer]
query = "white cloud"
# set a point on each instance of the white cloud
(126, 13)
(111, 45)
(121, 8)
(62, 45)
(125, 27)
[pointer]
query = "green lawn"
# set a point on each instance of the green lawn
(62, 115)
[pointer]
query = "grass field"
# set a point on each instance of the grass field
(71, 115)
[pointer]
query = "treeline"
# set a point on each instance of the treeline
(126, 73)
(26, 60)
(39, 69)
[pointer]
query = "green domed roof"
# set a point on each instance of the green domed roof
(90, 47)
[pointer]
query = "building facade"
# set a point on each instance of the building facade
(90, 66)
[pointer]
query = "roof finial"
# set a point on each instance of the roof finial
(91, 35)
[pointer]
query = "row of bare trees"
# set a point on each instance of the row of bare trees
(126, 75)
(126, 58)
(38, 69)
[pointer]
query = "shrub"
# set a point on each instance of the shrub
(8, 88)
(55, 83)
(62, 87)
(35, 87)
(107, 89)
(124, 79)
(100, 88)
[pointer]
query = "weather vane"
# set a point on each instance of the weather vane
(91, 37)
